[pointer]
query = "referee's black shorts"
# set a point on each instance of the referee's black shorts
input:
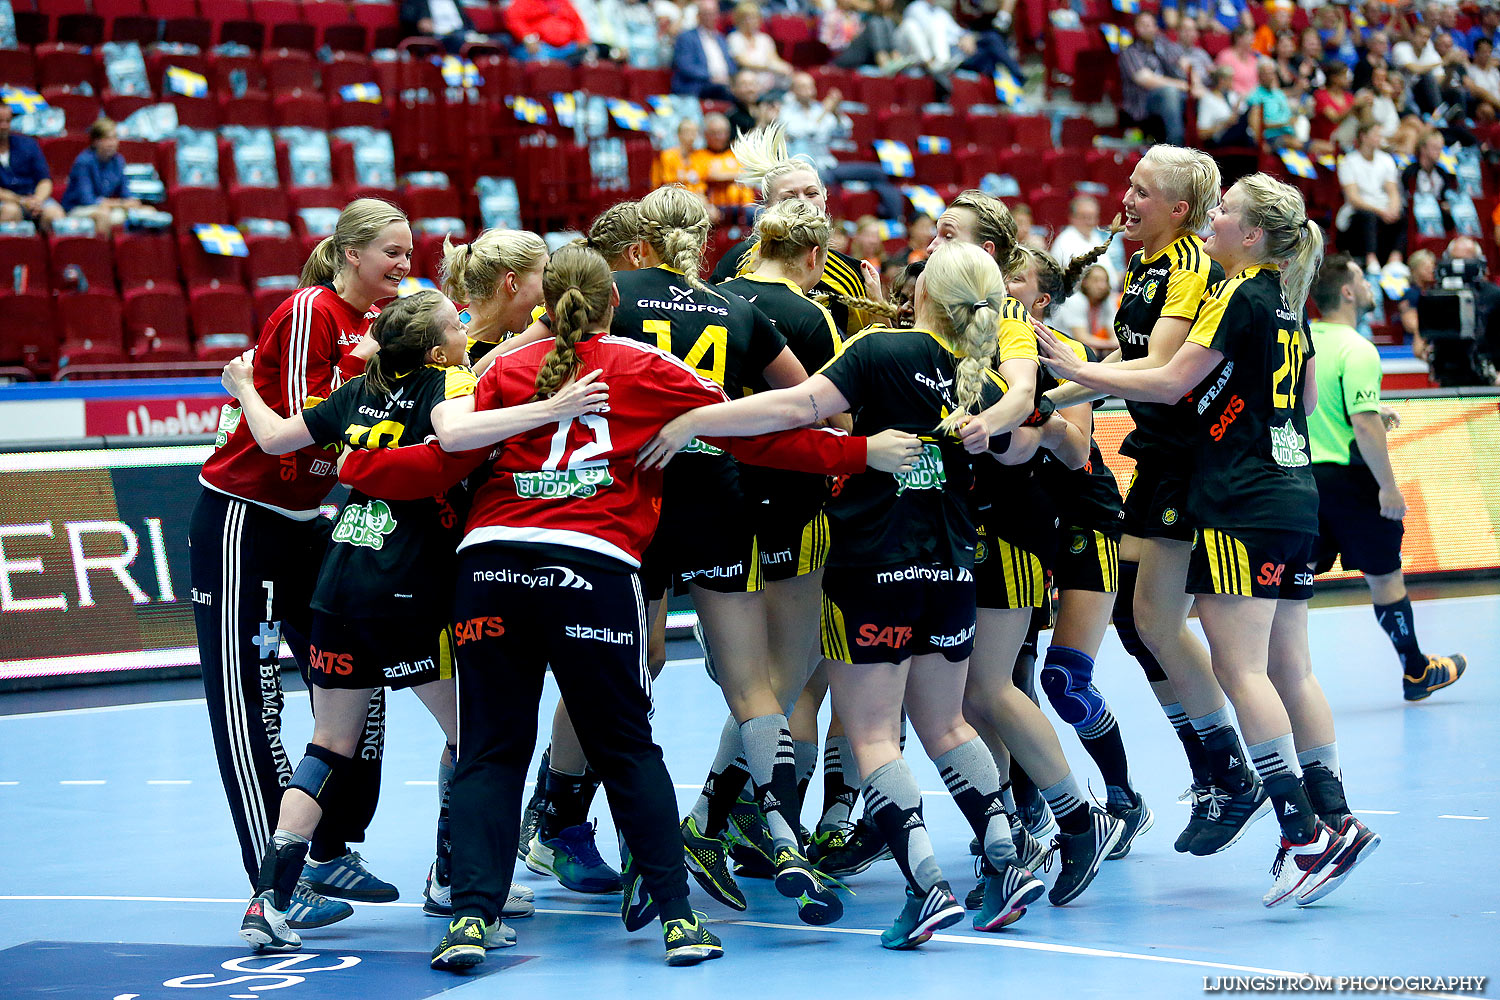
(1349, 522)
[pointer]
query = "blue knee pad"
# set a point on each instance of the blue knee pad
(1068, 679)
(318, 771)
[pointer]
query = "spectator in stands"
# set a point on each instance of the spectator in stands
(1418, 58)
(1154, 82)
(1088, 315)
(1376, 55)
(867, 243)
(1482, 82)
(701, 64)
(1328, 21)
(1371, 218)
(1386, 89)
(1274, 121)
(1451, 74)
(811, 126)
(1310, 47)
(1423, 265)
(1030, 233)
(919, 236)
(96, 184)
(1481, 370)
(878, 42)
(1426, 175)
(1195, 58)
(674, 165)
(547, 29)
(605, 23)
(645, 39)
(1278, 20)
(940, 46)
(1222, 121)
(754, 50)
(1242, 59)
(444, 20)
(25, 181)
(1488, 28)
(750, 106)
(718, 168)
(1082, 234)
(1333, 105)
(1298, 75)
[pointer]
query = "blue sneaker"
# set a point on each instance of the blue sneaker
(310, 908)
(574, 860)
(348, 878)
(921, 917)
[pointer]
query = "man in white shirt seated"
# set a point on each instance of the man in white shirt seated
(811, 125)
(1082, 234)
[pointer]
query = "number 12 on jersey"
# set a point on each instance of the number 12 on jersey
(712, 343)
(586, 455)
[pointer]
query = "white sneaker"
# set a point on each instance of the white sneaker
(437, 899)
(1297, 865)
(265, 926)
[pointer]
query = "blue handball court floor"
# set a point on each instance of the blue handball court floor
(120, 878)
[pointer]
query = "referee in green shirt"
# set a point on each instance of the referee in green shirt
(1360, 506)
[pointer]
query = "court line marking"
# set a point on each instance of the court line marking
(82, 781)
(1450, 816)
(690, 661)
(1042, 946)
(169, 781)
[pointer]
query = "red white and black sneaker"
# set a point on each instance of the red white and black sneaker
(265, 926)
(1300, 865)
(1359, 843)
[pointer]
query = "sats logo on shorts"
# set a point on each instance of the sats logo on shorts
(366, 525)
(474, 629)
(927, 472)
(560, 483)
(325, 662)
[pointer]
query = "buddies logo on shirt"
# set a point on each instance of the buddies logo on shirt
(365, 525)
(559, 483)
(927, 473)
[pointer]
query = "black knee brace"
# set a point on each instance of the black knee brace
(318, 772)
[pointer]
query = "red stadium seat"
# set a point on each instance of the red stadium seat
(79, 110)
(222, 69)
(288, 71)
(138, 28)
(251, 34)
(203, 269)
(643, 83)
(29, 334)
(145, 260)
(427, 254)
(156, 325)
(268, 300)
(602, 78)
(968, 91)
(252, 111)
(936, 168)
(900, 124)
(259, 203)
(118, 107)
(271, 257)
(879, 92)
(547, 77)
(432, 203)
(17, 68)
(1078, 133)
(348, 114)
(188, 30)
(29, 252)
(91, 254)
(346, 68)
(223, 322)
(318, 197)
(61, 151)
(1032, 133)
(1066, 168)
(80, 29)
(92, 328)
(194, 206)
(195, 112)
(1050, 208)
(63, 65)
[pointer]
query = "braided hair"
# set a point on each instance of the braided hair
(575, 285)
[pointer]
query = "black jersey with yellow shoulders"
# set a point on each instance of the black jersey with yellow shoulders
(841, 276)
(1253, 465)
(1088, 497)
(1008, 499)
(479, 348)
(810, 333)
(719, 335)
(390, 557)
(904, 379)
(1169, 284)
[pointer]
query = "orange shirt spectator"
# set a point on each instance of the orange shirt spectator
(1279, 19)
(675, 166)
(717, 166)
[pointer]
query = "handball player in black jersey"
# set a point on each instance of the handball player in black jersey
(898, 606)
(1245, 370)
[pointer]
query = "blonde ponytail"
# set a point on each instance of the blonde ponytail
(675, 223)
(1291, 239)
(967, 290)
(360, 224)
(575, 286)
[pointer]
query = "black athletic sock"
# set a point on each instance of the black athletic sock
(723, 790)
(1227, 762)
(1103, 743)
(969, 772)
(564, 803)
(1326, 791)
(838, 793)
(773, 769)
(895, 807)
(1068, 805)
(1022, 789)
(1294, 810)
(1396, 619)
(1192, 746)
(807, 762)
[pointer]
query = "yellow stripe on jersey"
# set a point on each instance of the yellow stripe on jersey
(1016, 334)
(755, 580)
(1228, 563)
(1022, 572)
(814, 551)
(1109, 561)
(445, 654)
(1211, 311)
(1188, 279)
(844, 278)
(458, 381)
(835, 633)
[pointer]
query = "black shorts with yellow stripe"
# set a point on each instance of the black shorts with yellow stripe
(1248, 563)
(1087, 559)
(1155, 503)
(397, 652)
(706, 535)
(791, 543)
(885, 614)
(1008, 576)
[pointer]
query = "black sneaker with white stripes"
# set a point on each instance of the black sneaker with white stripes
(1227, 815)
(921, 917)
(1137, 819)
(1082, 853)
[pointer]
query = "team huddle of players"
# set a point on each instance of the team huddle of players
(868, 498)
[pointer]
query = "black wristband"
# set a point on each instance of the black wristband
(1039, 416)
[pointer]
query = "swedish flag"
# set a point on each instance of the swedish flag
(527, 110)
(22, 100)
(186, 82)
(459, 72)
(661, 103)
(410, 286)
(629, 115)
(1298, 164)
(1395, 286)
(363, 93)
(1329, 162)
(891, 229)
(894, 157)
(1402, 160)
(1007, 88)
(1128, 6)
(221, 241)
(1449, 162)
(924, 199)
(1116, 37)
(565, 106)
(934, 144)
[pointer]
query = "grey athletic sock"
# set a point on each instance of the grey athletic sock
(1068, 805)
(895, 807)
(729, 757)
(838, 792)
(1326, 755)
(773, 770)
(969, 772)
(1275, 757)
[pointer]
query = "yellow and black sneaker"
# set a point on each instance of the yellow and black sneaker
(689, 941)
(796, 878)
(708, 860)
(1441, 671)
(466, 941)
